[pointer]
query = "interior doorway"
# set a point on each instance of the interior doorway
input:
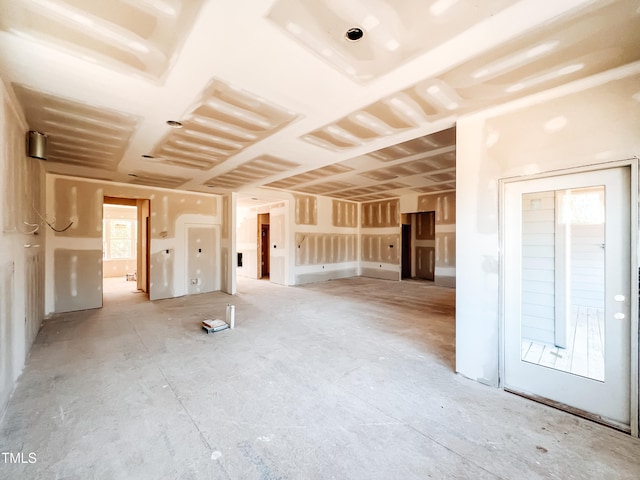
(406, 250)
(419, 245)
(264, 253)
(125, 252)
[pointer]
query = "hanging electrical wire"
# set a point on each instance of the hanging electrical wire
(57, 230)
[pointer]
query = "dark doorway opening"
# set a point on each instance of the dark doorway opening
(406, 251)
(264, 250)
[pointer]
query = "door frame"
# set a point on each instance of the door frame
(632, 164)
(143, 237)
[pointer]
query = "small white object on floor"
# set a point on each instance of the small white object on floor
(231, 315)
(216, 325)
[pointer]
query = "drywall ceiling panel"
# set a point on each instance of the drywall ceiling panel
(443, 187)
(139, 36)
(602, 36)
(377, 196)
(310, 176)
(446, 176)
(77, 134)
(357, 181)
(427, 143)
(252, 171)
(264, 79)
(224, 121)
(155, 180)
(392, 32)
(326, 187)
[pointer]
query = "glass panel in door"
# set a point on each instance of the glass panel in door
(563, 280)
(567, 292)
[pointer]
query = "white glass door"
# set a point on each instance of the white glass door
(567, 291)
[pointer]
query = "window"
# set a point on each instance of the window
(119, 239)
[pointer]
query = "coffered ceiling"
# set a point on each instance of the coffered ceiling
(353, 99)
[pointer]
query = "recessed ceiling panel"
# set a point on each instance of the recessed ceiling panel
(155, 180)
(310, 176)
(354, 192)
(134, 35)
(364, 39)
(377, 196)
(324, 188)
(426, 102)
(251, 171)
(443, 176)
(447, 186)
(224, 122)
(427, 143)
(602, 36)
(605, 35)
(422, 161)
(357, 193)
(77, 134)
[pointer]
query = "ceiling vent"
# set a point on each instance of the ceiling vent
(37, 145)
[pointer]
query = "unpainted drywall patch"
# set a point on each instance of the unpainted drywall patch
(320, 248)
(277, 231)
(446, 249)
(425, 262)
(225, 283)
(162, 274)
(425, 226)
(306, 208)
(77, 279)
(443, 204)
(225, 217)
(381, 248)
(75, 201)
(381, 214)
(344, 214)
(6, 332)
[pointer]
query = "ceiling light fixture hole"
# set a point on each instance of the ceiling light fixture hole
(354, 34)
(174, 124)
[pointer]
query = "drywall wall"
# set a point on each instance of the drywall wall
(306, 209)
(588, 122)
(203, 254)
(380, 239)
(312, 238)
(228, 244)
(21, 252)
(247, 242)
(74, 257)
(444, 206)
(423, 244)
(326, 248)
(279, 244)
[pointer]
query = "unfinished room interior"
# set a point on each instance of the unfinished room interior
(416, 222)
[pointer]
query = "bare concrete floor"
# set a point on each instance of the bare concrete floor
(348, 379)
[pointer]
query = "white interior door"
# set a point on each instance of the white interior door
(567, 291)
